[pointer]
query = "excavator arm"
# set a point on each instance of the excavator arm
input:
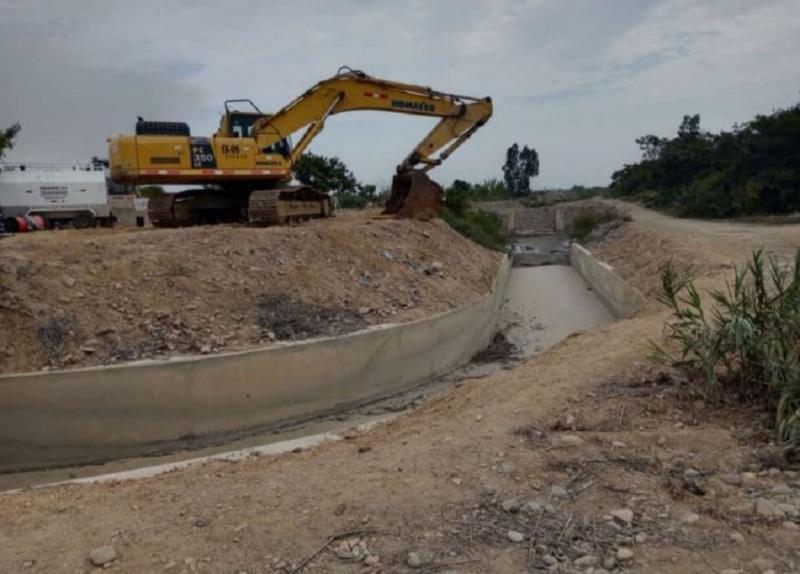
(349, 90)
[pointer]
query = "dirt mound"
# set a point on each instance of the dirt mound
(73, 299)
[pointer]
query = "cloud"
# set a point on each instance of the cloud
(579, 80)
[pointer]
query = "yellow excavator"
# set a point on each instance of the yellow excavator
(245, 168)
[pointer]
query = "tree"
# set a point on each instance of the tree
(755, 168)
(327, 174)
(7, 138)
(519, 168)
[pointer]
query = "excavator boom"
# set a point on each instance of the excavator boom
(250, 153)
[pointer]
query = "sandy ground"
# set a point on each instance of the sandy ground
(586, 458)
(80, 298)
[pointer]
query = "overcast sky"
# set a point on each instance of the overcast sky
(579, 80)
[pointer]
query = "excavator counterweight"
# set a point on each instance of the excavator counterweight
(245, 168)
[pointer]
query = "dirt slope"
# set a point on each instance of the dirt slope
(596, 459)
(72, 298)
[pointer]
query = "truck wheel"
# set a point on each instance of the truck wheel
(84, 221)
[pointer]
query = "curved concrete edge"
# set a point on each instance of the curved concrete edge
(104, 413)
(622, 298)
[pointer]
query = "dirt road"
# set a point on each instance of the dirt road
(587, 458)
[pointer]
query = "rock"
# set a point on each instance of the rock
(736, 537)
(640, 538)
(413, 560)
(372, 560)
(364, 310)
(68, 281)
(455, 480)
(102, 555)
(618, 444)
(437, 266)
(761, 564)
(559, 491)
(623, 515)
(533, 506)
(515, 536)
(340, 508)
(741, 508)
(662, 440)
(508, 468)
(768, 509)
(781, 489)
(624, 554)
(510, 505)
(202, 522)
(569, 440)
(690, 518)
(388, 255)
(205, 349)
(585, 561)
(730, 571)
(732, 479)
(549, 559)
(351, 549)
(610, 563)
(789, 525)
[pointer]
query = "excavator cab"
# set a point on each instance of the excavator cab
(237, 123)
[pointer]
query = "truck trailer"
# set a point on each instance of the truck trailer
(36, 196)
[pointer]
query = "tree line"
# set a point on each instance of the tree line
(752, 169)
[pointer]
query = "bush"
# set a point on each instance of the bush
(588, 220)
(749, 343)
(352, 200)
(753, 169)
(480, 226)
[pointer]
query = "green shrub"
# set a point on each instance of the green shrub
(748, 344)
(352, 200)
(589, 219)
(480, 226)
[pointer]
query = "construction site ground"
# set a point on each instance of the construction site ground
(589, 457)
(82, 298)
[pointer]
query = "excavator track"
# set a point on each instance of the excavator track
(160, 211)
(196, 207)
(287, 205)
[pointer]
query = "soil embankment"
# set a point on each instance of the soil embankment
(586, 458)
(74, 299)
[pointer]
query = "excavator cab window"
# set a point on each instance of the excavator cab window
(282, 147)
(241, 125)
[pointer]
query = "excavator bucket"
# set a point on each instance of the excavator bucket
(416, 196)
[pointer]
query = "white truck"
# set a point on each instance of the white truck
(41, 196)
